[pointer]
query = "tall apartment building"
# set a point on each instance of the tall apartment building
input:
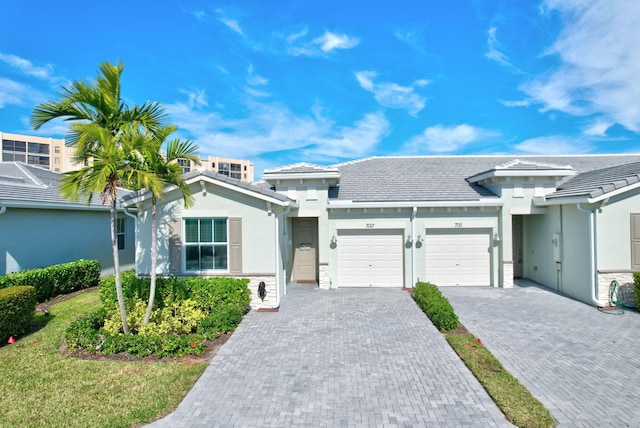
(45, 152)
(234, 168)
(53, 154)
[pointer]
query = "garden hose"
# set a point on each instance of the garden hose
(613, 299)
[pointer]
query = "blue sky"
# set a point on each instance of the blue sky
(280, 82)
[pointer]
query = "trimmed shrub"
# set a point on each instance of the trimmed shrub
(17, 307)
(187, 312)
(54, 280)
(636, 287)
(436, 306)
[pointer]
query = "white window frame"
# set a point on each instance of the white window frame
(121, 231)
(186, 244)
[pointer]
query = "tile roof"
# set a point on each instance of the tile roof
(22, 183)
(443, 178)
(261, 188)
(599, 182)
(300, 167)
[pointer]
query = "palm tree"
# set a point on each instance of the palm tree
(101, 129)
(167, 169)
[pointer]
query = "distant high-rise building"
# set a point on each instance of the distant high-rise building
(53, 154)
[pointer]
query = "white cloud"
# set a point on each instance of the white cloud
(554, 145)
(15, 93)
(273, 127)
(297, 44)
(230, 23)
(393, 95)
(494, 53)
(27, 67)
(521, 103)
(598, 128)
(196, 97)
(599, 62)
(254, 79)
(356, 141)
(447, 139)
(330, 41)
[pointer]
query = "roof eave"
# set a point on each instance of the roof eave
(556, 173)
(477, 203)
(586, 198)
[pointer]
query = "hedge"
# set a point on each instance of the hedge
(187, 312)
(17, 306)
(52, 281)
(436, 306)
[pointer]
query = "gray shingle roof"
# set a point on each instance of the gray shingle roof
(599, 182)
(442, 178)
(22, 183)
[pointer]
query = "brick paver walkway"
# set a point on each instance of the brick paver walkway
(337, 358)
(584, 365)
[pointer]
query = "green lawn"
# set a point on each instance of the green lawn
(41, 387)
(515, 401)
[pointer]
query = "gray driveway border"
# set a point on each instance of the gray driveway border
(582, 364)
(337, 358)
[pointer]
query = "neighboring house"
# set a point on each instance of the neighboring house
(40, 228)
(571, 223)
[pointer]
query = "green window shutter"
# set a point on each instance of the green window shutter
(235, 245)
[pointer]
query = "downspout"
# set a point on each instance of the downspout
(278, 255)
(135, 234)
(413, 246)
(592, 254)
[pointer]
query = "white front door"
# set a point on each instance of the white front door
(369, 258)
(458, 257)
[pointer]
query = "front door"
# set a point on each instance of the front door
(305, 250)
(517, 245)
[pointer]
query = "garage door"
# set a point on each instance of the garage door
(458, 257)
(370, 258)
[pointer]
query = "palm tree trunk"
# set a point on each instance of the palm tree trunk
(154, 256)
(116, 266)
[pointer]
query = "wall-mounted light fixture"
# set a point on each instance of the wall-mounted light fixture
(419, 239)
(409, 239)
(496, 237)
(334, 240)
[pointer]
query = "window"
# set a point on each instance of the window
(213, 165)
(120, 228)
(57, 161)
(223, 168)
(185, 164)
(237, 175)
(56, 149)
(205, 244)
(236, 167)
(39, 148)
(38, 160)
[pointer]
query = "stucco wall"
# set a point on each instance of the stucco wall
(33, 238)
(258, 227)
(576, 275)
(538, 247)
(614, 232)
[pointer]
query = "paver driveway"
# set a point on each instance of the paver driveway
(337, 358)
(582, 364)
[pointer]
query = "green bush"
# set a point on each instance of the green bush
(221, 320)
(187, 311)
(436, 306)
(54, 280)
(636, 287)
(17, 306)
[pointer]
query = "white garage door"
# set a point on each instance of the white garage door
(370, 258)
(458, 257)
